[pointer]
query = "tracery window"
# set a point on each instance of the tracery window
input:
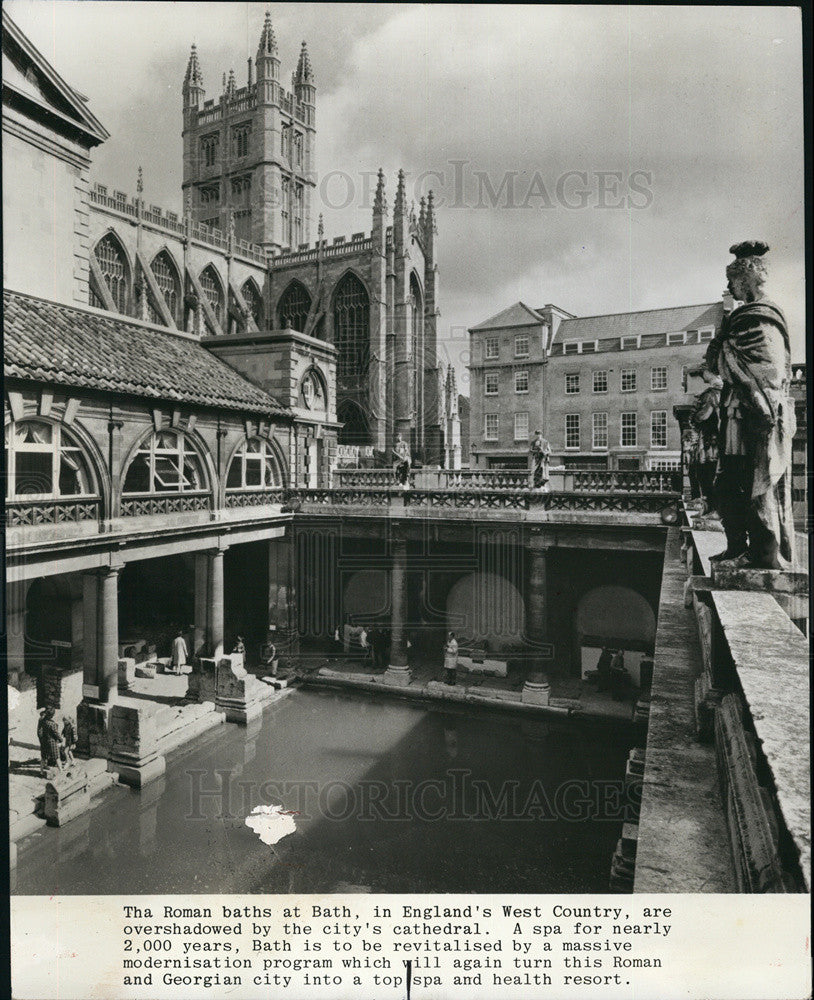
(352, 328)
(254, 467)
(254, 300)
(209, 150)
(165, 463)
(113, 265)
(166, 277)
(213, 291)
(240, 140)
(294, 307)
(45, 460)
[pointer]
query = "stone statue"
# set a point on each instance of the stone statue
(540, 454)
(751, 354)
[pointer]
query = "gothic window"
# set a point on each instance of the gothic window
(298, 149)
(417, 347)
(286, 210)
(113, 266)
(296, 232)
(212, 289)
(285, 141)
(210, 195)
(45, 460)
(254, 467)
(165, 463)
(351, 328)
(166, 277)
(241, 187)
(254, 301)
(240, 140)
(294, 307)
(209, 150)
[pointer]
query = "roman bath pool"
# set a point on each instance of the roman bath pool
(382, 796)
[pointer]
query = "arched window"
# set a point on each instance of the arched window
(254, 467)
(355, 429)
(213, 290)
(165, 463)
(113, 265)
(312, 392)
(417, 346)
(166, 276)
(351, 328)
(295, 304)
(45, 460)
(254, 300)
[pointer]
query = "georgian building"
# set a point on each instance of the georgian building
(601, 388)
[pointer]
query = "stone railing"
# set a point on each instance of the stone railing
(27, 513)
(170, 222)
(397, 499)
(602, 481)
(254, 498)
(364, 478)
(290, 257)
(487, 479)
(141, 505)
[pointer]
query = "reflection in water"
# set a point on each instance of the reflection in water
(388, 796)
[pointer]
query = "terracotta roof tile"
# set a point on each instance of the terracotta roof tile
(52, 342)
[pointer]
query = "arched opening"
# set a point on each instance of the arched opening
(169, 282)
(213, 290)
(254, 466)
(112, 261)
(294, 307)
(351, 330)
(355, 427)
(616, 617)
(486, 609)
(45, 460)
(254, 300)
(417, 348)
(165, 462)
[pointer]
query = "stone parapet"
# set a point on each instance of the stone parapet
(133, 753)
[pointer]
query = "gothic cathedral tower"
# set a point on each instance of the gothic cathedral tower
(250, 154)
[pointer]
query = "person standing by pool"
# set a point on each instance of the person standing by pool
(179, 653)
(50, 740)
(450, 659)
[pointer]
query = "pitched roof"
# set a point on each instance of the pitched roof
(517, 315)
(634, 324)
(50, 342)
(29, 75)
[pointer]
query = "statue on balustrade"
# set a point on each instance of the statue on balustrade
(750, 352)
(705, 428)
(540, 455)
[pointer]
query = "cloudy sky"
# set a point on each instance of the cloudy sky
(600, 158)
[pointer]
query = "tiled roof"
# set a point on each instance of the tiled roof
(50, 342)
(517, 315)
(635, 324)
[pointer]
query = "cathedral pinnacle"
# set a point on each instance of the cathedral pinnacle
(304, 75)
(380, 199)
(231, 86)
(431, 228)
(268, 40)
(193, 76)
(400, 205)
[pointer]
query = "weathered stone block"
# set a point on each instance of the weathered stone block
(203, 681)
(238, 692)
(133, 753)
(727, 576)
(92, 729)
(127, 672)
(146, 669)
(66, 797)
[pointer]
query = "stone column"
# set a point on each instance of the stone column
(537, 608)
(108, 659)
(15, 632)
(398, 672)
(214, 611)
(201, 602)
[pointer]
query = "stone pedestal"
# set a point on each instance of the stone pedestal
(127, 672)
(397, 676)
(203, 681)
(66, 797)
(238, 692)
(536, 690)
(133, 753)
(728, 576)
(92, 719)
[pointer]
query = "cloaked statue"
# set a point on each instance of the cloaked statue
(751, 354)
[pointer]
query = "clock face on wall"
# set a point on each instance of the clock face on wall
(313, 395)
